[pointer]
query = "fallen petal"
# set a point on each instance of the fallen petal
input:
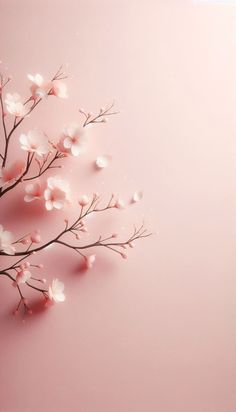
(103, 161)
(137, 196)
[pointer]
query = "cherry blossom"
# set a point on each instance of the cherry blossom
(6, 241)
(59, 89)
(39, 88)
(23, 276)
(35, 141)
(15, 105)
(74, 139)
(43, 156)
(57, 193)
(56, 291)
(11, 173)
(33, 192)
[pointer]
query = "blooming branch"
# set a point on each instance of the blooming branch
(55, 192)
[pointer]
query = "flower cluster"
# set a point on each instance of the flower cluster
(45, 155)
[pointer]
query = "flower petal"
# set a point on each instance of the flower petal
(137, 196)
(49, 205)
(103, 161)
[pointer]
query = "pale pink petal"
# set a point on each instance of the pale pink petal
(103, 161)
(75, 150)
(47, 193)
(58, 204)
(137, 196)
(23, 139)
(30, 188)
(29, 198)
(49, 205)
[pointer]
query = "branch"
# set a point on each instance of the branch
(28, 164)
(22, 300)
(79, 226)
(100, 117)
(58, 76)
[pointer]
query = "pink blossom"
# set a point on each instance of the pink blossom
(15, 105)
(33, 192)
(56, 194)
(74, 139)
(23, 276)
(35, 142)
(89, 260)
(6, 241)
(40, 87)
(56, 291)
(59, 89)
(11, 173)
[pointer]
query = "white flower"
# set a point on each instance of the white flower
(6, 240)
(15, 105)
(23, 276)
(35, 142)
(74, 139)
(39, 88)
(56, 291)
(33, 192)
(57, 193)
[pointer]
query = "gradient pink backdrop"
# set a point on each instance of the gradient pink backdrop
(156, 332)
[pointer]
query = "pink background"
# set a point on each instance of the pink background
(156, 332)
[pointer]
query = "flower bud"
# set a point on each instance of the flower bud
(123, 255)
(84, 200)
(35, 237)
(119, 204)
